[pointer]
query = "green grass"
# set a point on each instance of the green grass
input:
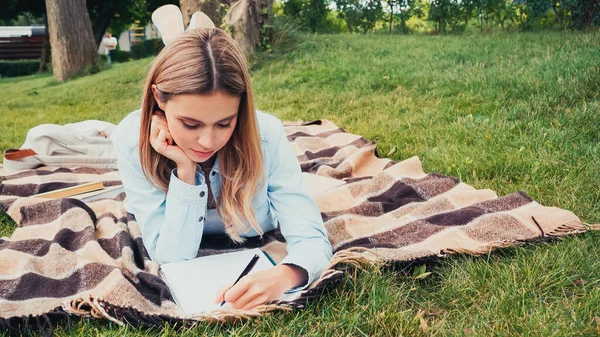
(507, 112)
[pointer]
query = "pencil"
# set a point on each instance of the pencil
(245, 272)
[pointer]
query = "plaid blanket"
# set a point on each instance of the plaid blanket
(67, 257)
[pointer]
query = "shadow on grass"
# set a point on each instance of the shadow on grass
(8, 80)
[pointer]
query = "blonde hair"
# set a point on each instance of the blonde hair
(201, 62)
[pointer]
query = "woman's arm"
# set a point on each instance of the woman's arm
(171, 224)
(299, 217)
(309, 250)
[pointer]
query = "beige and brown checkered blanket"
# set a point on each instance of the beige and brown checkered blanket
(67, 257)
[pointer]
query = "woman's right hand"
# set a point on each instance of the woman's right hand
(162, 141)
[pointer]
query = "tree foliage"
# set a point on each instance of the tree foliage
(444, 16)
(311, 14)
(402, 10)
(360, 14)
(451, 15)
(119, 15)
(496, 12)
(116, 14)
(11, 9)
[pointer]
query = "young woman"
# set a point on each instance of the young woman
(198, 159)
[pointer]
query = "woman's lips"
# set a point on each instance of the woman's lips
(203, 154)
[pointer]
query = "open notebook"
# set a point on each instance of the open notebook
(194, 283)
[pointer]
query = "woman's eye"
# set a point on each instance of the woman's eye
(190, 127)
(224, 126)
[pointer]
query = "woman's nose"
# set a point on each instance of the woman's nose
(206, 140)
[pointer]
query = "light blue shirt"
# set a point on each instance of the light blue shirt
(172, 224)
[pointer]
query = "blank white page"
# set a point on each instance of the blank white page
(195, 283)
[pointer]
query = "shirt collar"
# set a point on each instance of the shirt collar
(215, 166)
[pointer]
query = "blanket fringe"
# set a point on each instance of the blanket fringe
(100, 309)
(570, 228)
(234, 315)
(483, 250)
(355, 257)
(90, 307)
(27, 325)
(358, 257)
(97, 308)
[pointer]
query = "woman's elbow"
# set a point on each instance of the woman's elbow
(167, 253)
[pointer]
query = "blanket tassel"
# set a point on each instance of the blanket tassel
(90, 307)
(26, 325)
(573, 228)
(358, 257)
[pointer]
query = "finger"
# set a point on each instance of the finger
(221, 293)
(238, 290)
(158, 113)
(160, 140)
(154, 129)
(153, 135)
(159, 121)
(255, 294)
(157, 124)
(168, 137)
(243, 300)
(258, 300)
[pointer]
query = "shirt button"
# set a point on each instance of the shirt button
(213, 173)
(200, 219)
(202, 194)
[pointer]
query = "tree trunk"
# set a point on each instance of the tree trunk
(391, 3)
(250, 30)
(589, 13)
(71, 37)
(403, 29)
(266, 12)
(211, 8)
(45, 49)
(557, 15)
(246, 31)
(102, 21)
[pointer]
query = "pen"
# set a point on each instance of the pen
(245, 272)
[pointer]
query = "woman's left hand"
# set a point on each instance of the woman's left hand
(262, 287)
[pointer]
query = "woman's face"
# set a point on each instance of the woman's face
(202, 124)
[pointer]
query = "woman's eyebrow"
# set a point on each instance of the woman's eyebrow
(220, 121)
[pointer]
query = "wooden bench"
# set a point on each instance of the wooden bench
(18, 48)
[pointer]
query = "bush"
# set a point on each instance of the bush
(283, 31)
(18, 68)
(120, 56)
(146, 48)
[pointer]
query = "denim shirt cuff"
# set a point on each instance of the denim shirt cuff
(305, 267)
(185, 192)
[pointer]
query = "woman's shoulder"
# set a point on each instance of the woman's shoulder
(126, 135)
(268, 125)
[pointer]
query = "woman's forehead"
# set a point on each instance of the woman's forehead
(208, 109)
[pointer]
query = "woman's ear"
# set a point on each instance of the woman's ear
(158, 101)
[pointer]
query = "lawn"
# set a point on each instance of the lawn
(507, 112)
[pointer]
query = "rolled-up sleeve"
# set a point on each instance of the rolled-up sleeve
(296, 211)
(171, 224)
